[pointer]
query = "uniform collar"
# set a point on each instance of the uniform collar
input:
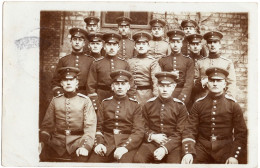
(96, 55)
(213, 96)
(77, 53)
(70, 94)
(116, 97)
(176, 54)
(141, 55)
(125, 37)
(163, 100)
(157, 38)
(214, 55)
(195, 56)
(111, 57)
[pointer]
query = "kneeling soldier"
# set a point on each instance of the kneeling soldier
(216, 131)
(69, 126)
(165, 118)
(120, 127)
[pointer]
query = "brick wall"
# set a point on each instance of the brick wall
(234, 26)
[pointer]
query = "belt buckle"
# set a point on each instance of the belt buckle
(116, 131)
(213, 138)
(67, 132)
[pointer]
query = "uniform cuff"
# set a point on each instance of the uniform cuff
(166, 150)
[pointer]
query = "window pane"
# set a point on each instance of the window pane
(139, 18)
(110, 17)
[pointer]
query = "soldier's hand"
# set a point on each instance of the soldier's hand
(204, 81)
(187, 159)
(44, 136)
(159, 153)
(232, 160)
(159, 138)
(100, 149)
(82, 151)
(119, 152)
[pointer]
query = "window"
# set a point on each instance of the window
(140, 19)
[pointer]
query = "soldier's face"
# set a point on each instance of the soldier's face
(216, 86)
(142, 47)
(120, 88)
(69, 85)
(157, 31)
(214, 46)
(189, 30)
(124, 30)
(112, 48)
(195, 47)
(77, 43)
(95, 47)
(176, 45)
(92, 28)
(165, 90)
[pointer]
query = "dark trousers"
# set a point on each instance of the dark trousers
(50, 155)
(145, 154)
(126, 158)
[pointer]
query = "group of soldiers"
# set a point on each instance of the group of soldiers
(144, 99)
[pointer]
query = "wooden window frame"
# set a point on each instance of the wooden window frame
(126, 14)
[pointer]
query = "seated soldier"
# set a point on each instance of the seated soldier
(120, 127)
(216, 131)
(69, 126)
(165, 118)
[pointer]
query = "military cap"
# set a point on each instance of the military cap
(216, 73)
(78, 32)
(157, 23)
(176, 34)
(112, 37)
(120, 76)
(142, 36)
(95, 37)
(166, 77)
(123, 21)
(213, 36)
(194, 38)
(68, 72)
(188, 23)
(91, 20)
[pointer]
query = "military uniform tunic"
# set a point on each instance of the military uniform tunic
(126, 48)
(143, 69)
(78, 60)
(215, 60)
(159, 48)
(163, 116)
(71, 113)
(185, 66)
(209, 130)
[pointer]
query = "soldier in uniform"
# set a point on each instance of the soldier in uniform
(120, 127)
(179, 64)
(215, 60)
(69, 126)
(143, 68)
(165, 118)
(99, 75)
(126, 43)
(216, 131)
(76, 59)
(194, 42)
(191, 27)
(159, 47)
(95, 45)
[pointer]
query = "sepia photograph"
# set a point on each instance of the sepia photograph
(130, 84)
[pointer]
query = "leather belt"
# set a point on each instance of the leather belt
(213, 138)
(82, 88)
(116, 131)
(104, 87)
(69, 132)
(143, 87)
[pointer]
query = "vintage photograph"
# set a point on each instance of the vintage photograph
(141, 86)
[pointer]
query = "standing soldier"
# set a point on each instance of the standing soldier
(191, 27)
(179, 64)
(159, 47)
(143, 68)
(126, 43)
(69, 125)
(165, 118)
(216, 131)
(120, 127)
(99, 76)
(95, 45)
(76, 59)
(215, 60)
